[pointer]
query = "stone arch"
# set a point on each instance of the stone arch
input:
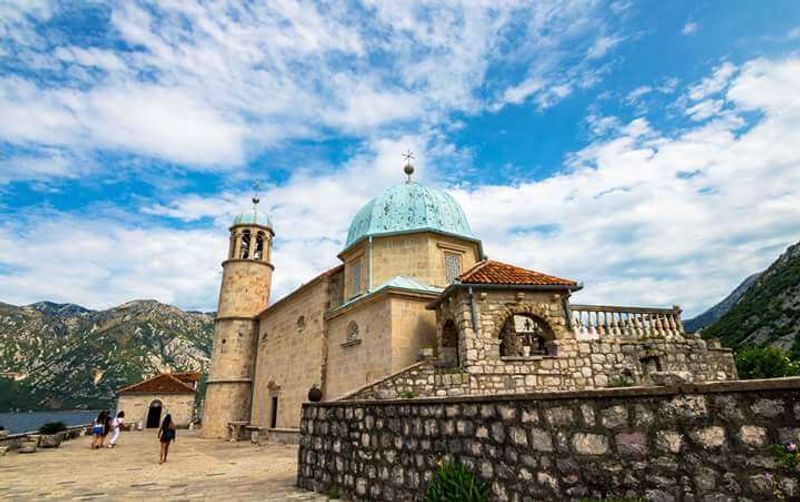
(538, 331)
(450, 343)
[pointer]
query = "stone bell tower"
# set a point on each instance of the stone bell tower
(244, 293)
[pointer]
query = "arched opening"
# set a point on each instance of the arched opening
(154, 414)
(259, 250)
(450, 352)
(244, 249)
(525, 335)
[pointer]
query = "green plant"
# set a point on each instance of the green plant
(333, 493)
(787, 459)
(764, 362)
(408, 394)
(453, 482)
(52, 428)
(629, 499)
(620, 381)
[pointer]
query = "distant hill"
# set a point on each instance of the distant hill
(64, 355)
(713, 314)
(768, 311)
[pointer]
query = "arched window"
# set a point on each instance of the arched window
(450, 352)
(245, 247)
(259, 251)
(352, 332)
(524, 335)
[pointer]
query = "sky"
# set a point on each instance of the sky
(648, 149)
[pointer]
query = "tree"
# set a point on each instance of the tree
(765, 362)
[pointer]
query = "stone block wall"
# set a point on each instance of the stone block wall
(137, 406)
(691, 442)
(421, 379)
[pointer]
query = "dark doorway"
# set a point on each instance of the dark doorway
(273, 419)
(154, 415)
(450, 352)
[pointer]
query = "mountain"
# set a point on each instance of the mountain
(713, 314)
(63, 355)
(768, 311)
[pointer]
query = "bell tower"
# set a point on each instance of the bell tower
(244, 293)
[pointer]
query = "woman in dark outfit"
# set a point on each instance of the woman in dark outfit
(166, 434)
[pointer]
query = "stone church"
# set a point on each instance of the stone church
(416, 309)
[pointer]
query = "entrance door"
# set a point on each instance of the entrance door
(273, 420)
(154, 415)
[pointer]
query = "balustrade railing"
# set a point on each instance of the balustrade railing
(591, 321)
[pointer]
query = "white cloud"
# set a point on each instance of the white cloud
(642, 217)
(690, 28)
(202, 84)
(99, 263)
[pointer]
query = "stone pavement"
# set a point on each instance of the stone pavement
(197, 469)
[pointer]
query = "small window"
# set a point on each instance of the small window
(452, 267)
(355, 277)
(352, 332)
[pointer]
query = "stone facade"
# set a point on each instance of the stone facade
(291, 327)
(689, 442)
(413, 280)
(136, 407)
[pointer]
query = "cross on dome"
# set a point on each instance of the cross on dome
(409, 167)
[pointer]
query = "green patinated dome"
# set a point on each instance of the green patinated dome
(409, 207)
(253, 218)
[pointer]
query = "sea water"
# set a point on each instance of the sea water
(28, 422)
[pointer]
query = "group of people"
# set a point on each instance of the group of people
(105, 424)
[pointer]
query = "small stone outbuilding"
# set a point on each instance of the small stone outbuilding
(147, 402)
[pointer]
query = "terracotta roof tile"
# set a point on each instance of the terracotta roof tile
(189, 377)
(494, 272)
(159, 384)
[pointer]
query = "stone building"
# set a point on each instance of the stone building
(414, 281)
(147, 402)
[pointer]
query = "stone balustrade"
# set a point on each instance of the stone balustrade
(594, 321)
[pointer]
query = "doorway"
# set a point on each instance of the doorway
(273, 419)
(154, 415)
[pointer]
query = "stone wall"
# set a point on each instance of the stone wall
(418, 380)
(571, 363)
(290, 353)
(689, 442)
(136, 407)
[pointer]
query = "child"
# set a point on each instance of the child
(166, 434)
(106, 428)
(116, 426)
(97, 430)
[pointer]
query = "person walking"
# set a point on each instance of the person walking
(106, 428)
(166, 435)
(97, 430)
(116, 427)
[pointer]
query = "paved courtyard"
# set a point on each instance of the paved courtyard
(198, 469)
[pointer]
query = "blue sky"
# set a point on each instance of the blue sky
(644, 148)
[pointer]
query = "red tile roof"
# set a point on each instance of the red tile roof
(494, 272)
(189, 377)
(162, 384)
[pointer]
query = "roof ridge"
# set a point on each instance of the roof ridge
(169, 376)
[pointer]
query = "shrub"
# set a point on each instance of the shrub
(764, 362)
(333, 493)
(408, 394)
(52, 428)
(453, 482)
(620, 381)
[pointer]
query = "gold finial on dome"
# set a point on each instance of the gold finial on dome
(409, 167)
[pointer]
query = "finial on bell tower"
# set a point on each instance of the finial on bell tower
(409, 167)
(256, 199)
